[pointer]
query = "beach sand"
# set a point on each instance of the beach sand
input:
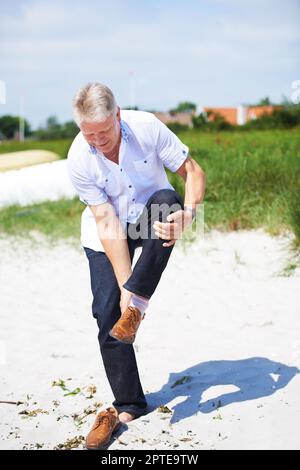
(218, 351)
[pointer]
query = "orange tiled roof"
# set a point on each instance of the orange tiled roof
(229, 114)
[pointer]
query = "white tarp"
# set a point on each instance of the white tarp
(37, 183)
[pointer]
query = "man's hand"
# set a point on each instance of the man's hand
(173, 228)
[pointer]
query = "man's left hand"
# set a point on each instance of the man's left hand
(173, 228)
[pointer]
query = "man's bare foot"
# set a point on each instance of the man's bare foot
(126, 417)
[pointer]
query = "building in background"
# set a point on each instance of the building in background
(241, 114)
(185, 119)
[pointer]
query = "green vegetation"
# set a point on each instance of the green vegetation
(53, 130)
(59, 219)
(253, 180)
(9, 126)
(184, 107)
(286, 117)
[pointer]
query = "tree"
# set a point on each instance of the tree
(51, 131)
(52, 123)
(69, 130)
(134, 108)
(9, 126)
(264, 102)
(286, 101)
(211, 122)
(184, 107)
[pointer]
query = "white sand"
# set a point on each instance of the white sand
(223, 321)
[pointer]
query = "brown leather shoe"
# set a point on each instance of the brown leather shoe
(106, 423)
(126, 327)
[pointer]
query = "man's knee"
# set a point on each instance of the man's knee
(163, 203)
(166, 196)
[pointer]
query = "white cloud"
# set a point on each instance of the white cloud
(182, 52)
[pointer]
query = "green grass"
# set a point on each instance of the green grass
(56, 220)
(60, 147)
(253, 180)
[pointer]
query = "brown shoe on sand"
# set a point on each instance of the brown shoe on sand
(126, 327)
(106, 423)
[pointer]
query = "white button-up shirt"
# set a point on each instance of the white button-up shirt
(147, 145)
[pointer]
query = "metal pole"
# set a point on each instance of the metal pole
(21, 120)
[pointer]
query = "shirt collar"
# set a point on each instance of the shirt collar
(125, 132)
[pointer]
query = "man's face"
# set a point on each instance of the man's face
(103, 135)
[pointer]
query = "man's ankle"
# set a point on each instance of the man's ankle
(125, 417)
(139, 302)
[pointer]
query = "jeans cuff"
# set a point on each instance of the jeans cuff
(136, 291)
(137, 412)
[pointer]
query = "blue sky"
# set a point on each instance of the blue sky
(211, 52)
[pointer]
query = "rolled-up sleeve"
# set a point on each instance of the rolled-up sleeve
(169, 147)
(86, 188)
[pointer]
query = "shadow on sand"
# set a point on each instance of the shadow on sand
(253, 378)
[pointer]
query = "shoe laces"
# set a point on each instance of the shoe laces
(130, 314)
(103, 419)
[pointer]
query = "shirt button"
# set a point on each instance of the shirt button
(133, 200)
(145, 161)
(130, 186)
(121, 169)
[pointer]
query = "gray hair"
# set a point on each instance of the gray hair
(93, 102)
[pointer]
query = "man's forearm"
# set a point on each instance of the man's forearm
(194, 186)
(114, 241)
(117, 252)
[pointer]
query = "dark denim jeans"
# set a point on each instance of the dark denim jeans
(119, 358)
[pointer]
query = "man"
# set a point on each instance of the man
(116, 163)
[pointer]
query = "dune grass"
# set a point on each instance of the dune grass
(54, 219)
(253, 180)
